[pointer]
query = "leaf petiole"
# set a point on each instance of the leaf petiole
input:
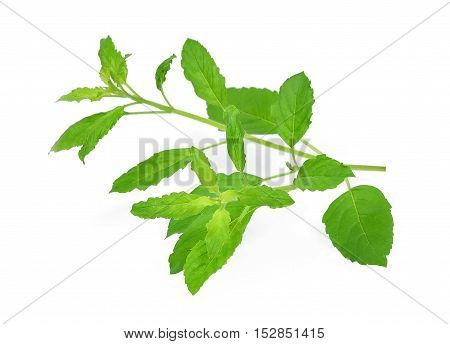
(279, 175)
(214, 145)
(143, 112)
(310, 146)
(165, 98)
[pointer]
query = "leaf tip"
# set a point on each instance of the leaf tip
(383, 262)
(53, 148)
(107, 38)
(114, 188)
(134, 210)
(173, 269)
(193, 290)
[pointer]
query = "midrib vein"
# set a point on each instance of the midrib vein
(359, 217)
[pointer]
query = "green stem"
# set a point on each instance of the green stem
(278, 175)
(368, 168)
(294, 159)
(353, 167)
(131, 89)
(143, 112)
(348, 184)
(165, 98)
(310, 146)
(214, 145)
(136, 97)
(130, 104)
(278, 147)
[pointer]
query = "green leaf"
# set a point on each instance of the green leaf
(151, 171)
(293, 110)
(177, 205)
(114, 65)
(237, 181)
(218, 231)
(234, 181)
(180, 226)
(235, 137)
(202, 168)
(201, 70)
(161, 72)
(360, 225)
(321, 173)
(88, 132)
(194, 230)
(200, 266)
(254, 105)
(264, 196)
(81, 93)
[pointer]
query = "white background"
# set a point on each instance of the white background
(56, 214)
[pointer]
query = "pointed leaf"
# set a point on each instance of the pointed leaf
(202, 168)
(114, 65)
(173, 206)
(81, 93)
(235, 137)
(151, 171)
(180, 226)
(293, 110)
(218, 232)
(194, 230)
(237, 181)
(264, 196)
(201, 70)
(234, 181)
(200, 266)
(321, 173)
(162, 70)
(360, 225)
(254, 105)
(88, 132)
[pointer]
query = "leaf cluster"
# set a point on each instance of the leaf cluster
(211, 220)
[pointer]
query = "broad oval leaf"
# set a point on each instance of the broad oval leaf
(321, 173)
(254, 105)
(199, 266)
(293, 110)
(88, 132)
(82, 93)
(235, 137)
(161, 71)
(201, 70)
(264, 196)
(114, 65)
(202, 168)
(218, 232)
(360, 225)
(177, 205)
(151, 171)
